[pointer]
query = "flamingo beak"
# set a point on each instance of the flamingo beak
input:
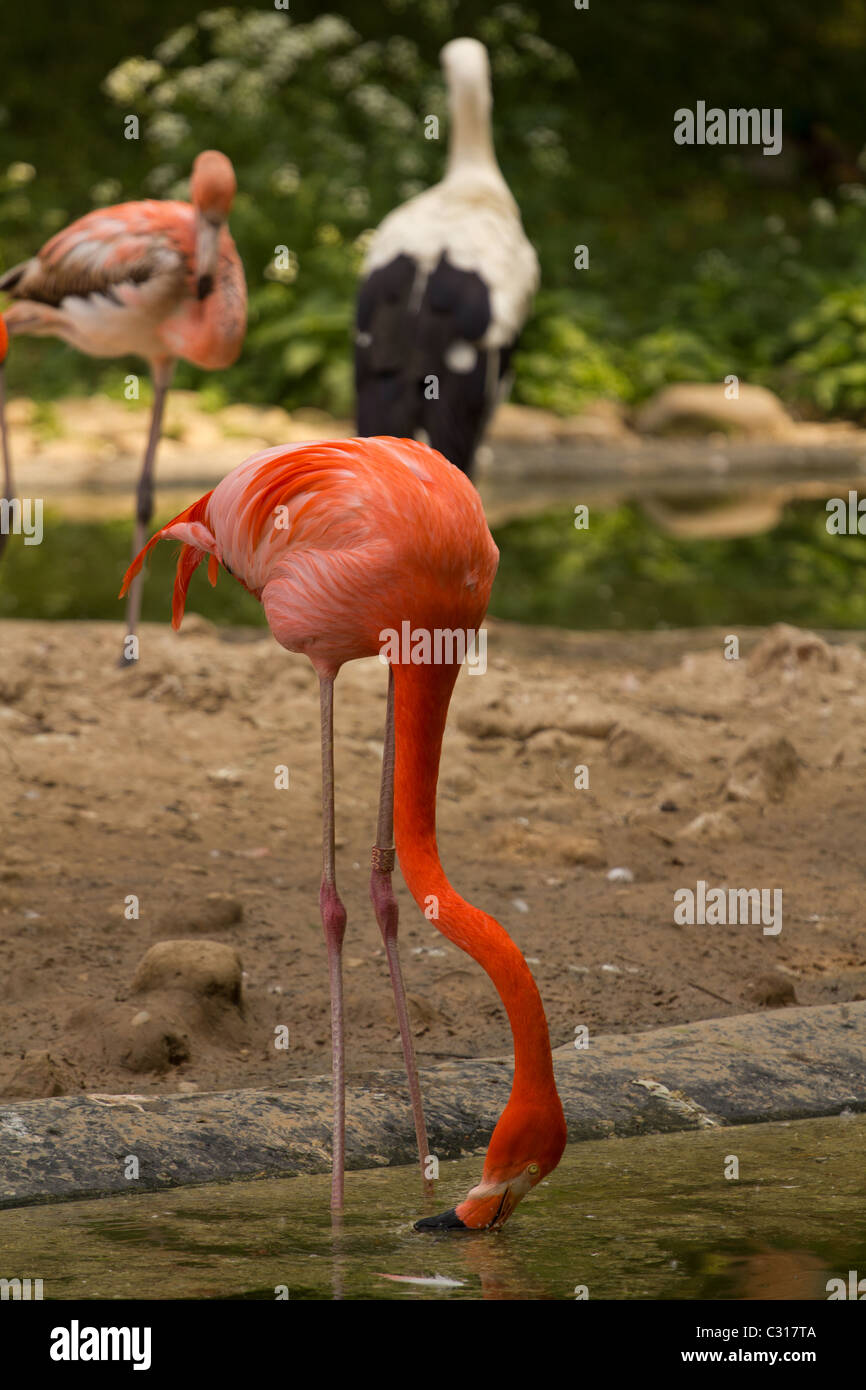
(486, 1208)
(206, 254)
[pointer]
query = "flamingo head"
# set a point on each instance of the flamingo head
(527, 1144)
(212, 190)
(4, 340)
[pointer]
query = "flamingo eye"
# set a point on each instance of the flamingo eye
(532, 1169)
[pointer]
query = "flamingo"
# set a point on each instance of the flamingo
(160, 279)
(449, 279)
(342, 543)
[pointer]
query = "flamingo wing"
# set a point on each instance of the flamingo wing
(126, 245)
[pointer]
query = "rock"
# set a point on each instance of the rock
(764, 770)
(586, 719)
(218, 912)
(790, 649)
(553, 742)
(700, 408)
(461, 782)
(498, 719)
(40, 1074)
(206, 969)
(620, 875)
(524, 423)
(772, 990)
(710, 827)
(600, 420)
(226, 776)
(194, 625)
(585, 850)
(628, 746)
(140, 1040)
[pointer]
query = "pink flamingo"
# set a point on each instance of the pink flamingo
(343, 543)
(159, 279)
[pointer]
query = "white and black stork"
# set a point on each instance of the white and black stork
(449, 279)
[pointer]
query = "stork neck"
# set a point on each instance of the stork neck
(471, 141)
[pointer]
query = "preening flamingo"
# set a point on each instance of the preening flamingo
(161, 279)
(343, 543)
(448, 283)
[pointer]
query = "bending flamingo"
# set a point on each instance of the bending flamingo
(449, 280)
(159, 279)
(342, 543)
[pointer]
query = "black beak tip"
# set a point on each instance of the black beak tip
(445, 1221)
(205, 286)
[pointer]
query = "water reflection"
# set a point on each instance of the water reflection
(652, 1217)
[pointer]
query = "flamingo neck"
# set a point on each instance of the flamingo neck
(471, 141)
(421, 698)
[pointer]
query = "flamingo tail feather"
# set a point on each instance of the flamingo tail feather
(188, 560)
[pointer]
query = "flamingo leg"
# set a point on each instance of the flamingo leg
(8, 487)
(334, 926)
(162, 373)
(385, 907)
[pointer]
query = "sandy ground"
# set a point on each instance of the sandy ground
(159, 782)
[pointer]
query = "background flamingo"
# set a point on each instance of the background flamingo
(449, 279)
(160, 279)
(341, 542)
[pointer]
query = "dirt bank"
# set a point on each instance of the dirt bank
(159, 784)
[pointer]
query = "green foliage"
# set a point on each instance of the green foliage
(702, 261)
(830, 351)
(326, 131)
(560, 365)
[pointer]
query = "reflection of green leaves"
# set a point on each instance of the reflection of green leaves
(77, 570)
(622, 572)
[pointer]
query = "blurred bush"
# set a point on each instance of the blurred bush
(326, 131)
(702, 262)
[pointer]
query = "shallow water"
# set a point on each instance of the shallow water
(653, 1217)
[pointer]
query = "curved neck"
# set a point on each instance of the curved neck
(421, 698)
(471, 139)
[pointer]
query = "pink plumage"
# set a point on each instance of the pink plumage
(344, 542)
(162, 280)
(326, 536)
